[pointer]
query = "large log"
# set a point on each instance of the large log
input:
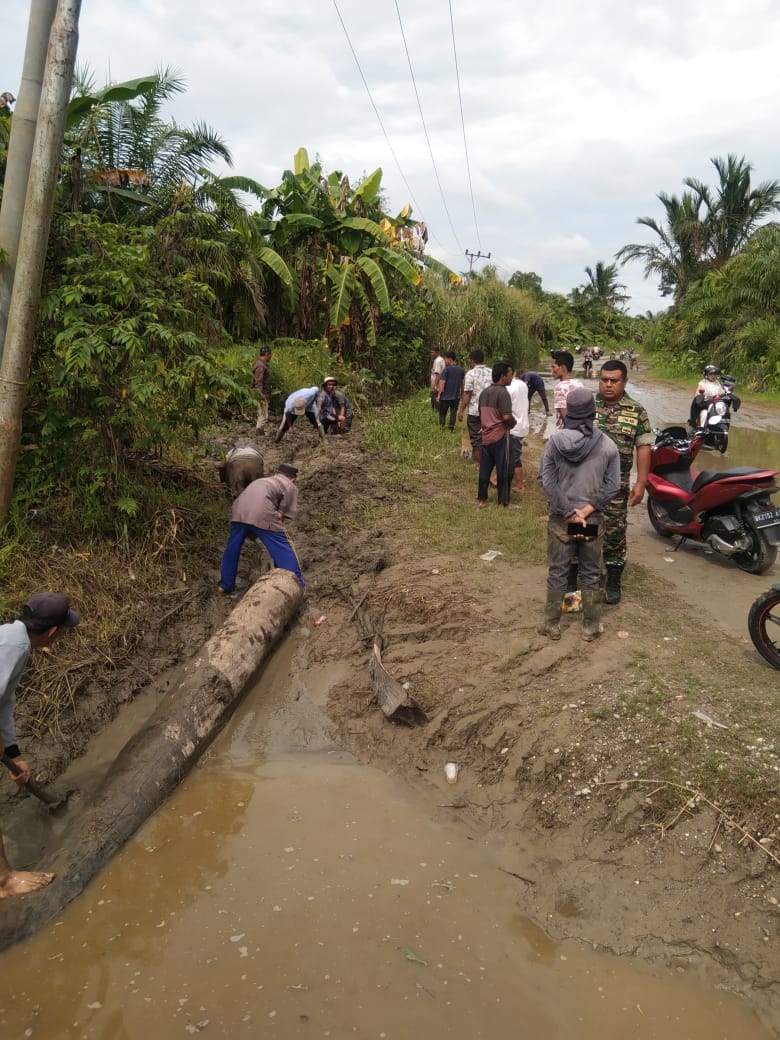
(156, 758)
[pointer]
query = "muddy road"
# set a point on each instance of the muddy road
(269, 893)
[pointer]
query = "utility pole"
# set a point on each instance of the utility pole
(38, 208)
(476, 256)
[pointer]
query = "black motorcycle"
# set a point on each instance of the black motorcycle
(764, 625)
(717, 421)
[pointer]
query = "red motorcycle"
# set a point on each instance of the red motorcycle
(729, 510)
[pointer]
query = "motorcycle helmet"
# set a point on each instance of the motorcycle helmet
(711, 370)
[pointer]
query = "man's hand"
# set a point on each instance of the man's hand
(637, 494)
(24, 773)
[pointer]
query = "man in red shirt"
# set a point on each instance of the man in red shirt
(496, 420)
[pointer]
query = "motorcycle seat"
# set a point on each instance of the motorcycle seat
(708, 476)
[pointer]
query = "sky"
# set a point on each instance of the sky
(574, 115)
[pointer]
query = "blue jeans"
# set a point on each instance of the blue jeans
(279, 547)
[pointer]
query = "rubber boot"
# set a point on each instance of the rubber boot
(551, 626)
(591, 614)
(612, 584)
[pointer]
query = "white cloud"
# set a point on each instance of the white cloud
(576, 114)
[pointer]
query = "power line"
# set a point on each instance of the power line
(463, 125)
(425, 128)
(376, 113)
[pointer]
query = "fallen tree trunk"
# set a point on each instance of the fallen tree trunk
(155, 760)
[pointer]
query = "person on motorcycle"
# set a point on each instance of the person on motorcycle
(710, 386)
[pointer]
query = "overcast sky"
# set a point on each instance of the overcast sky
(576, 114)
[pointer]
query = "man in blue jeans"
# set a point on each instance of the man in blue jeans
(260, 512)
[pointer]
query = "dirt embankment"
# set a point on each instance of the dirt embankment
(540, 730)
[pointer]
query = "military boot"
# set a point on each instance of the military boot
(591, 614)
(551, 626)
(612, 584)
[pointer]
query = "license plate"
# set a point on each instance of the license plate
(766, 518)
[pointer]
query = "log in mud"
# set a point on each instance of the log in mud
(157, 758)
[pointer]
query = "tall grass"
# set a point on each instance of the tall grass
(444, 505)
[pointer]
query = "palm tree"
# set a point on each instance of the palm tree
(735, 209)
(604, 286)
(678, 258)
(703, 228)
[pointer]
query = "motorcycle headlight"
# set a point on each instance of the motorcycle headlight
(720, 408)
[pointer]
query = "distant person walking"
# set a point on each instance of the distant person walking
(260, 511)
(450, 386)
(261, 383)
(437, 367)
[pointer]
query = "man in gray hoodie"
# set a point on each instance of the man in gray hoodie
(580, 474)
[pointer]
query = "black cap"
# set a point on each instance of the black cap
(288, 470)
(47, 610)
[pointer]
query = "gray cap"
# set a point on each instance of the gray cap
(580, 403)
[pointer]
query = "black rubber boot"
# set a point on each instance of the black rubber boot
(612, 585)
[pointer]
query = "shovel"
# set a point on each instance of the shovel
(51, 801)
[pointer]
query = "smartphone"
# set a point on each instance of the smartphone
(588, 531)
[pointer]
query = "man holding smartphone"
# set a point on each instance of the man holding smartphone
(580, 474)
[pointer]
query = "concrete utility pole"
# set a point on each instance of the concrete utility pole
(476, 256)
(38, 208)
(20, 146)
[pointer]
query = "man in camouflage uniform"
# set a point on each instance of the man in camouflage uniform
(626, 422)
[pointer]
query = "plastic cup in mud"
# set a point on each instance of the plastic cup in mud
(451, 771)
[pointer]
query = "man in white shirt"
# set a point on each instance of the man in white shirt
(437, 367)
(518, 392)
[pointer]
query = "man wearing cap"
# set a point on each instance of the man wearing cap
(44, 617)
(301, 402)
(580, 474)
(260, 512)
(261, 382)
(333, 408)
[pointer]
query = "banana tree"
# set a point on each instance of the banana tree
(346, 265)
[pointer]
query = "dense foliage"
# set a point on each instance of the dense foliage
(719, 260)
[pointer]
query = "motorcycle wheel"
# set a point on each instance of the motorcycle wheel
(658, 527)
(764, 623)
(759, 558)
(720, 442)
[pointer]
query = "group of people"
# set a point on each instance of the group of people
(585, 470)
(327, 409)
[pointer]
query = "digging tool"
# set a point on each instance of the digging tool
(51, 801)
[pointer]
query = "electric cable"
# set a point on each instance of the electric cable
(463, 126)
(425, 128)
(379, 118)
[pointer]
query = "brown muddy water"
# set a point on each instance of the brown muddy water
(286, 891)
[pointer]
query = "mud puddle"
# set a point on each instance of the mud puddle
(286, 889)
